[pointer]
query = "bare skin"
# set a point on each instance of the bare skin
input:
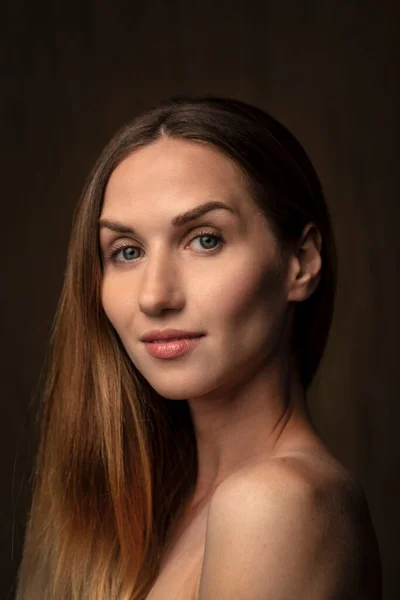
(351, 568)
(246, 399)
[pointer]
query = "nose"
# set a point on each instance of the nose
(159, 287)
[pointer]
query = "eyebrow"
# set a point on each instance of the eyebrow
(179, 220)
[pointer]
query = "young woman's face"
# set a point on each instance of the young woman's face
(230, 287)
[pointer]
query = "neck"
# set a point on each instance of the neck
(248, 423)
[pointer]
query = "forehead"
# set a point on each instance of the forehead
(177, 170)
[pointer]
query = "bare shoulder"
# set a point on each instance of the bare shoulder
(293, 527)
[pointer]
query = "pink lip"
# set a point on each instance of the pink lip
(168, 334)
(171, 349)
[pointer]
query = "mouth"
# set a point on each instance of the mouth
(170, 334)
(173, 347)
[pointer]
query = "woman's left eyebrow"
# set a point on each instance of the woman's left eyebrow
(179, 220)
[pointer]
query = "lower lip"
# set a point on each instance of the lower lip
(172, 348)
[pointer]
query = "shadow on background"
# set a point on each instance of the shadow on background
(328, 71)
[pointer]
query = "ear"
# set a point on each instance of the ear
(305, 264)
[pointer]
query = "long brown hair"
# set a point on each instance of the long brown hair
(116, 463)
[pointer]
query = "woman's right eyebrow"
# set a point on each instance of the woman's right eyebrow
(191, 215)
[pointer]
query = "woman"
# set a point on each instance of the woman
(191, 468)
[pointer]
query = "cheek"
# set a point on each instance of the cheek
(250, 305)
(116, 302)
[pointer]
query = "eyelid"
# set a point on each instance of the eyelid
(204, 224)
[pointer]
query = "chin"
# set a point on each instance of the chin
(175, 387)
(179, 384)
(176, 392)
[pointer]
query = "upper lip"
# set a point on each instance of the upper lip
(168, 334)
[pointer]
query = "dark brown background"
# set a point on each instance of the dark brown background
(328, 70)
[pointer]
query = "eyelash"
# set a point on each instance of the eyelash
(113, 253)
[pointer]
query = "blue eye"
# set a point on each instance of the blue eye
(209, 236)
(128, 250)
